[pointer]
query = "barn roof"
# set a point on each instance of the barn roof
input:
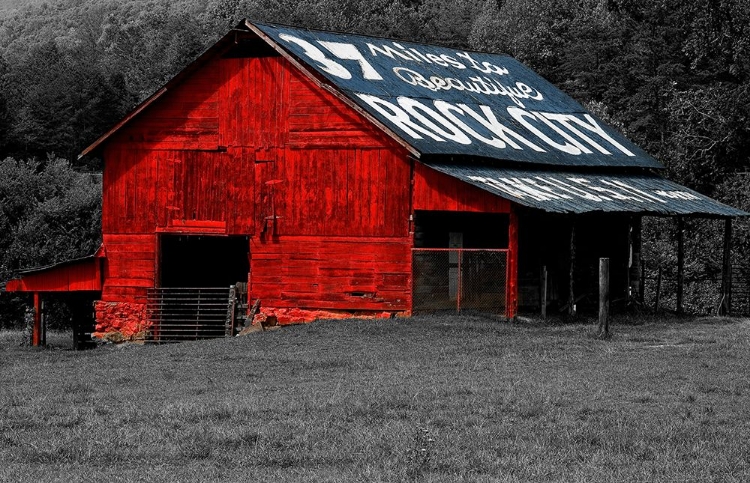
(445, 101)
(440, 103)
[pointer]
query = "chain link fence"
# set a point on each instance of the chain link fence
(459, 280)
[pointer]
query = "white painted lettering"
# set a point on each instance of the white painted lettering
(541, 116)
(449, 111)
(436, 59)
(317, 55)
(416, 109)
(350, 52)
(489, 121)
(520, 115)
(565, 120)
(452, 61)
(389, 51)
(571, 189)
(398, 117)
(594, 127)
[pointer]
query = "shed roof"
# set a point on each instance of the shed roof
(589, 191)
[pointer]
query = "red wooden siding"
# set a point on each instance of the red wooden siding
(332, 273)
(317, 119)
(266, 103)
(184, 118)
(178, 191)
(81, 275)
(331, 193)
(252, 105)
(130, 267)
(324, 195)
(437, 191)
(327, 192)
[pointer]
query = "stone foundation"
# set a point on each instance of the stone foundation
(120, 321)
(286, 316)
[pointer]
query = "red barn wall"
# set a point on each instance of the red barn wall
(434, 190)
(332, 197)
(249, 146)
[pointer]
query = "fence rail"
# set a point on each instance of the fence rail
(702, 294)
(459, 279)
(180, 314)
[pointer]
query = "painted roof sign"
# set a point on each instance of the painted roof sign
(567, 192)
(453, 102)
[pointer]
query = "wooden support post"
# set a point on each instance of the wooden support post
(44, 324)
(680, 263)
(658, 291)
(635, 272)
(36, 332)
(231, 303)
(511, 298)
(642, 294)
(543, 292)
(726, 270)
(604, 297)
(571, 291)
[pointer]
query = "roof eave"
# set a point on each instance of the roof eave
(217, 48)
(321, 83)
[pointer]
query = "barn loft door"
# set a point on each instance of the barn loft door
(196, 191)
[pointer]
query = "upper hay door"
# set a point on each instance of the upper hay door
(207, 193)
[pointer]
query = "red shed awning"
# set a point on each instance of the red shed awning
(78, 275)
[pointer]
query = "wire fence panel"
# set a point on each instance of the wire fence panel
(459, 280)
(179, 314)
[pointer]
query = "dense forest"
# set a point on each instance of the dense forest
(673, 75)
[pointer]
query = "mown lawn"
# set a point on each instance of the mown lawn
(425, 399)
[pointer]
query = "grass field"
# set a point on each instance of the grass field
(422, 399)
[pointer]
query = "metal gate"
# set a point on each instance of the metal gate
(180, 314)
(458, 280)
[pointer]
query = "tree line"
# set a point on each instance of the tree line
(673, 75)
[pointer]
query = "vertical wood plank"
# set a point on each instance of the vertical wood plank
(726, 270)
(36, 331)
(604, 297)
(511, 299)
(543, 292)
(571, 274)
(680, 263)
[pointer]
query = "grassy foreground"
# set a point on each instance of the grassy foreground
(425, 399)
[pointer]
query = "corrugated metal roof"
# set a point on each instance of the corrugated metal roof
(583, 192)
(454, 102)
(99, 253)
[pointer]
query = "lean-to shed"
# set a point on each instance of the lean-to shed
(339, 174)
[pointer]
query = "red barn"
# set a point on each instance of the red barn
(319, 167)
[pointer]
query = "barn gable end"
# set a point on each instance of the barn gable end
(249, 146)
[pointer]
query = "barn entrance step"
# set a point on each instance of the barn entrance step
(194, 313)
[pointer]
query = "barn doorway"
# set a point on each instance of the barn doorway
(459, 262)
(203, 261)
(203, 287)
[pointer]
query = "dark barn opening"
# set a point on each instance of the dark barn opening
(200, 282)
(460, 262)
(550, 241)
(203, 261)
(449, 229)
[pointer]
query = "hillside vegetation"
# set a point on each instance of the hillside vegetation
(426, 399)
